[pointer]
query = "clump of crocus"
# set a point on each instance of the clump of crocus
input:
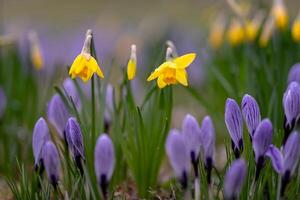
(131, 66)
(104, 162)
(71, 91)
(58, 114)
(208, 144)
(291, 106)
(234, 124)
(251, 113)
(235, 33)
(2, 102)
(178, 156)
(296, 29)
(35, 51)
(294, 73)
(261, 141)
(234, 179)
(280, 14)
(285, 163)
(40, 136)
(85, 65)
(51, 162)
(216, 35)
(73, 138)
(173, 70)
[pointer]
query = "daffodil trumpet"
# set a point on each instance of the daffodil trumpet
(173, 70)
(85, 64)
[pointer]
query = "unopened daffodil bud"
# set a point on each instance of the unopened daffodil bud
(252, 27)
(236, 33)
(216, 34)
(85, 65)
(296, 29)
(35, 51)
(267, 31)
(131, 66)
(280, 15)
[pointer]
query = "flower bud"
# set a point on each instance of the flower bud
(51, 162)
(58, 114)
(71, 91)
(234, 179)
(291, 153)
(291, 104)
(131, 66)
(294, 74)
(251, 113)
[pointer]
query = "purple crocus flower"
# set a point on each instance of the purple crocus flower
(40, 136)
(234, 124)
(178, 155)
(71, 91)
(251, 113)
(294, 73)
(191, 132)
(51, 162)
(208, 143)
(109, 102)
(285, 163)
(74, 141)
(58, 114)
(234, 179)
(104, 161)
(261, 141)
(2, 102)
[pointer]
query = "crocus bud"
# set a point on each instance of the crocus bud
(104, 161)
(276, 157)
(178, 155)
(71, 91)
(234, 124)
(291, 152)
(39, 137)
(234, 179)
(109, 109)
(58, 114)
(291, 106)
(251, 113)
(74, 141)
(131, 66)
(261, 141)
(208, 143)
(294, 74)
(2, 102)
(191, 132)
(51, 162)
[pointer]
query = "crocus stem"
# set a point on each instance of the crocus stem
(278, 188)
(197, 188)
(187, 195)
(93, 109)
(252, 189)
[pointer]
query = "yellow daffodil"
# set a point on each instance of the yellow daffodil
(85, 65)
(173, 71)
(35, 51)
(252, 26)
(217, 33)
(280, 14)
(267, 32)
(131, 66)
(296, 29)
(235, 34)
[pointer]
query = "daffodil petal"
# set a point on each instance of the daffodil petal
(185, 60)
(94, 67)
(181, 76)
(160, 82)
(158, 71)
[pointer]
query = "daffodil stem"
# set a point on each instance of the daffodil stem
(93, 109)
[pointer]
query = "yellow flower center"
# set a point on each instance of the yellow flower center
(170, 76)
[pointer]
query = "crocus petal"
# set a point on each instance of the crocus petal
(191, 132)
(58, 114)
(276, 157)
(2, 102)
(208, 138)
(177, 153)
(39, 137)
(294, 74)
(262, 138)
(291, 102)
(251, 113)
(104, 159)
(234, 121)
(291, 152)
(71, 91)
(234, 179)
(74, 138)
(185, 60)
(181, 76)
(51, 162)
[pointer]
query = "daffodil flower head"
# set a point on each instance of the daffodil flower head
(173, 70)
(252, 26)
(85, 65)
(236, 33)
(280, 14)
(267, 31)
(216, 35)
(35, 51)
(131, 66)
(296, 29)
